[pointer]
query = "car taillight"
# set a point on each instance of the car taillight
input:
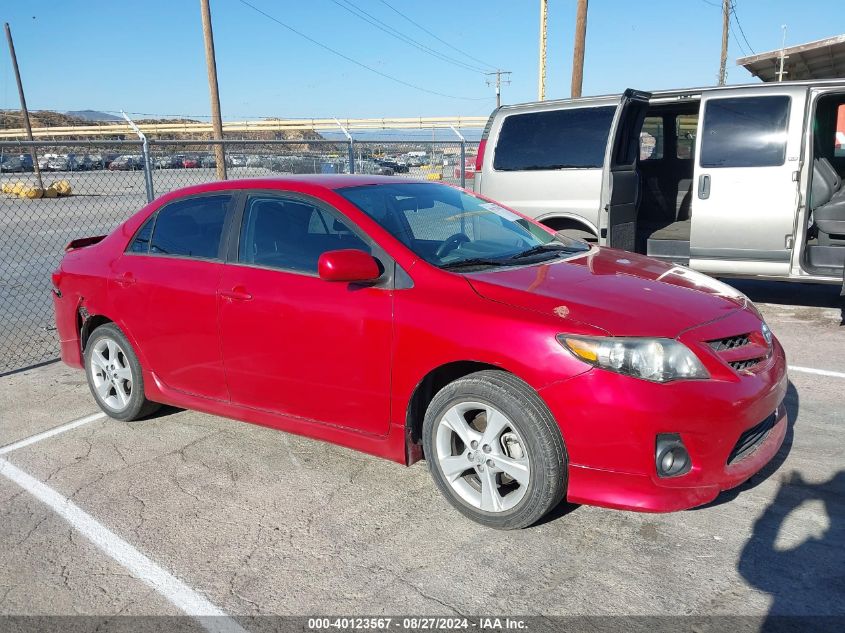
(479, 158)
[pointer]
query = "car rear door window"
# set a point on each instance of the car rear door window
(745, 132)
(141, 241)
(191, 227)
(292, 234)
(557, 139)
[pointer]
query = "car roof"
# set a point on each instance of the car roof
(323, 181)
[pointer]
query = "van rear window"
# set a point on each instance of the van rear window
(557, 139)
(745, 132)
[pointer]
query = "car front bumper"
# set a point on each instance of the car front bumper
(610, 424)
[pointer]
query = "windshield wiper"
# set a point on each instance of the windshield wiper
(472, 263)
(550, 247)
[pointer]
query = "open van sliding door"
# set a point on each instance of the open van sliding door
(745, 187)
(621, 182)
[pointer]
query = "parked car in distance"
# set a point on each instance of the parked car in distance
(208, 161)
(79, 162)
(739, 181)
(235, 160)
(55, 163)
(126, 163)
(410, 319)
(190, 162)
(168, 162)
(16, 163)
(371, 167)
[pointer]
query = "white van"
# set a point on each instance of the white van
(739, 181)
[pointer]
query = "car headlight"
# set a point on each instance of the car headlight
(655, 359)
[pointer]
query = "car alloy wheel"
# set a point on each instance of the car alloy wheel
(482, 456)
(111, 374)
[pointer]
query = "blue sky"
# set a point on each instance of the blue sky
(147, 57)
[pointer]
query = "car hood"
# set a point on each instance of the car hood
(622, 293)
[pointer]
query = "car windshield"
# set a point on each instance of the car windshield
(453, 229)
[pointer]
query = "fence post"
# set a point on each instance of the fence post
(145, 152)
(351, 146)
(463, 157)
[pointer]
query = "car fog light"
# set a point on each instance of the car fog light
(671, 456)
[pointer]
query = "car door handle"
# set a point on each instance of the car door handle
(126, 279)
(704, 186)
(236, 294)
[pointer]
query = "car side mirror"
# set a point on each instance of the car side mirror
(348, 265)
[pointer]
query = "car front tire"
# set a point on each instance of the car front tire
(494, 450)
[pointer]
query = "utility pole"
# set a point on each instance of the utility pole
(498, 83)
(578, 53)
(541, 85)
(211, 63)
(726, 16)
(783, 56)
(35, 168)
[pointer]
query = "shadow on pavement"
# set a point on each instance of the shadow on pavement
(807, 579)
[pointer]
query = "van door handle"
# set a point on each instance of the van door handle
(236, 294)
(704, 186)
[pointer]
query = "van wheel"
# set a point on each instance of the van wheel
(114, 375)
(494, 450)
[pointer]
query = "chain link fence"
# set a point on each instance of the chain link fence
(110, 180)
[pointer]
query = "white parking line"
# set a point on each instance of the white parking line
(180, 595)
(818, 372)
(54, 431)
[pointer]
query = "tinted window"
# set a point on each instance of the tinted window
(553, 140)
(291, 234)
(651, 138)
(141, 243)
(686, 126)
(839, 134)
(745, 132)
(191, 227)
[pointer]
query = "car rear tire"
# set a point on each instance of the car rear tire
(114, 375)
(494, 450)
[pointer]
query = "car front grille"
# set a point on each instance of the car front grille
(731, 342)
(741, 365)
(751, 439)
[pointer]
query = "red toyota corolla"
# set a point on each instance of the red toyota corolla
(411, 319)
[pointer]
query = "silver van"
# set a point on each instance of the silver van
(741, 181)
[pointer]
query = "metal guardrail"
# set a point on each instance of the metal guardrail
(110, 180)
(262, 125)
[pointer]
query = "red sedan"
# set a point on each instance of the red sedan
(411, 319)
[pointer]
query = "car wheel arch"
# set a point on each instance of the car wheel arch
(424, 392)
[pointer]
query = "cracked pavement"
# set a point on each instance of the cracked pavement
(261, 522)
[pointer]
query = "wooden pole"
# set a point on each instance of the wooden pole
(578, 52)
(726, 15)
(211, 63)
(24, 110)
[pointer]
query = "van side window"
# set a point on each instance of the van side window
(839, 134)
(745, 132)
(686, 126)
(557, 139)
(651, 138)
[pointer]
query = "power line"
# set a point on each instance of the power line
(382, 26)
(422, 28)
(736, 19)
(355, 61)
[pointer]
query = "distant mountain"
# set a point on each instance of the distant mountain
(93, 115)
